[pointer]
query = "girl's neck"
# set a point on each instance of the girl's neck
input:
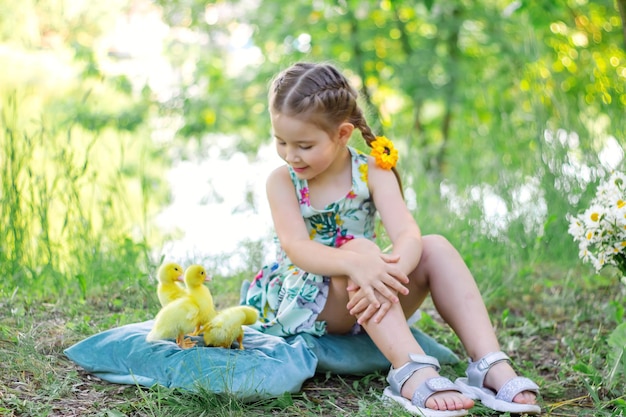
(334, 183)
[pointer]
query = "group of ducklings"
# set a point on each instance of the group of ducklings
(189, 311)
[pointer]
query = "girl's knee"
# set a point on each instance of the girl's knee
(437, 240)
(437, 247)
(436, 243)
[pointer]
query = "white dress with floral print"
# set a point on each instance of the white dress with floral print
(290, 299)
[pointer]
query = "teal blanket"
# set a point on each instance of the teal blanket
(268, 367)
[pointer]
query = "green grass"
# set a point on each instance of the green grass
(556, 329)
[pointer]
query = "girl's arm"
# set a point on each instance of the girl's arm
(396, 218)
(373, 275)
(402, 229)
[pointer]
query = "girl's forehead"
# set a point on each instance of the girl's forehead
(282, 121)
(288, 127)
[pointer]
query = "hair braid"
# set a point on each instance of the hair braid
(360, 123)
(320, 94)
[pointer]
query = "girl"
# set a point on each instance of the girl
(331, 276)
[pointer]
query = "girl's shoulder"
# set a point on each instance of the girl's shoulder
(374, 174)
(280, 171)
(279, 177)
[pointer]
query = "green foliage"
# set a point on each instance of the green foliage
(617, 355)
(80, 178)
(483, 70)
(71, 199)
(520, 102)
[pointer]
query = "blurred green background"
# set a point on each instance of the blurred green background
(506, 114)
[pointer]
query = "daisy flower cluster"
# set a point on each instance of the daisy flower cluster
(601, 229)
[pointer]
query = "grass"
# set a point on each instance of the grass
(558, 336)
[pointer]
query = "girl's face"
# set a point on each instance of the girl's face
(309, 150)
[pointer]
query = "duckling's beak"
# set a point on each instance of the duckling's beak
(181, 278)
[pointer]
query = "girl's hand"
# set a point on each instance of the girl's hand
(364, 310)
(377, 282)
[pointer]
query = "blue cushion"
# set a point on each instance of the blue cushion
(268, 367)
(358, 355)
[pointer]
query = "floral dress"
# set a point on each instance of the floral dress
(290, 299)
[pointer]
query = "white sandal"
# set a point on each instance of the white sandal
(474, 388)
(397, 378)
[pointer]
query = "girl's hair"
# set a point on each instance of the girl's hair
(319, 94)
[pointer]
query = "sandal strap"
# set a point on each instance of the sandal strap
(397, 377)
(432, 386)
(476, 371)
(514, 386)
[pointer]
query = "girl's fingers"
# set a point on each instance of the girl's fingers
(397, 274)
(370, 295)
(355, 300)
(390, 258)
(394, 284)
(367, 314)
(361, 307)
(358, 306)
(386, 292)
(400, 276)
(384, 308)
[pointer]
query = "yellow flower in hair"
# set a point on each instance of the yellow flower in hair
(384, 152)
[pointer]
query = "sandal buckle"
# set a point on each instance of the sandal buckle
(397, 377)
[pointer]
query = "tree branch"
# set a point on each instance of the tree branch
(453, 50)
(360, 68)
(621, 6)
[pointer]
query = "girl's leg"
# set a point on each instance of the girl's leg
(392, 335)
(457, 299)
(335, 314)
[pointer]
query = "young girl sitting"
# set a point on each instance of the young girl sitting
(330, 276)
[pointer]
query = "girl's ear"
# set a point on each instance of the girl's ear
(345, 132)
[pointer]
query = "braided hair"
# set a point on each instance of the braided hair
(321, 95)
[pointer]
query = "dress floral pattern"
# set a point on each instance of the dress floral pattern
(290, 299)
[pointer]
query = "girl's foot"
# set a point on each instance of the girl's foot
(499, 374)
(445, 400)
(492, 380)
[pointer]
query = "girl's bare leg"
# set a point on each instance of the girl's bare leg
(392, 335)
(457, 299)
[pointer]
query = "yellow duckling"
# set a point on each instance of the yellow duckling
(226, 326)
(187, 314)
(168, 288)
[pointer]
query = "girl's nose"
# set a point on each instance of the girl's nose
(292, 156)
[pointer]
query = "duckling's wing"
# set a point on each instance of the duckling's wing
(175, 318)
